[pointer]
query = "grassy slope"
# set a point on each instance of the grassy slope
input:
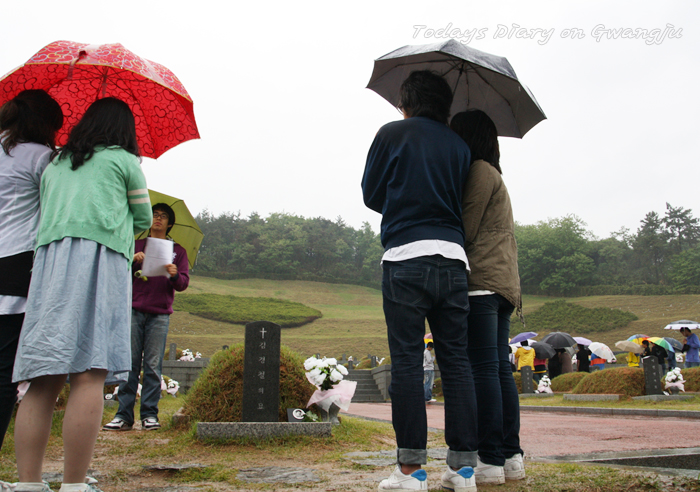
(353, 320)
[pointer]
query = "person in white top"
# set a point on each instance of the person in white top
(28, 126)
(428, 372)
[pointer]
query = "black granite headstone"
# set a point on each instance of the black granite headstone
(526, 378)
(373, 361)
(173, 352)
(652, 376)
(261, 372)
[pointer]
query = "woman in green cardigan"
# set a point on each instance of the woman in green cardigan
(94, 199)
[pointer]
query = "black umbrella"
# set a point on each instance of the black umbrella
(559, 339)
(678, 346)
(543, 350)
(479, 80)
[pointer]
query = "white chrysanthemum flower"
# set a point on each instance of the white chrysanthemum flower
(310, 363)
(332, 362)
(320, 379)
(322, 364)
(342, 370)
(314, 373)
(336, 376)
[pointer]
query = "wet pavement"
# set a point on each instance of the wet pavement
(563, 435)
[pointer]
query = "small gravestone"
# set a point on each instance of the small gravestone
(652, 376)
(373, 361)
(526, 378)
(173, 351)
(225, 347)
(261, 372)
(351, 365)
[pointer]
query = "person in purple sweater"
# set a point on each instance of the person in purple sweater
(152, 306)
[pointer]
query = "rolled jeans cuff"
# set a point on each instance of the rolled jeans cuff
(406, 456)
(459, 459)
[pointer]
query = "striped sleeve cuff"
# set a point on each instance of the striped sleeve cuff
(138, 196)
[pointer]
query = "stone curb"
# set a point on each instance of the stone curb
(684, 414)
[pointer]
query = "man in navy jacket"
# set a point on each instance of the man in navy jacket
(415, 173)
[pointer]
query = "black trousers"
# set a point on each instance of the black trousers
(10, 327)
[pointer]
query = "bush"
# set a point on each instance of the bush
(437, 387)
(218, 392)
(242, 310)
(692, 378)
(628, 381)
(564, 316)
(566, 382)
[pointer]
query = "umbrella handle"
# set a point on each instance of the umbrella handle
(81, 54)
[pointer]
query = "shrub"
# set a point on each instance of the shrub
(437, 387)
(628, 381)
(242, 310)
(564, 316)
(692, 378)
(566, 382)
(217, 394)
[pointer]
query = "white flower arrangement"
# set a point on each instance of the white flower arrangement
(544, 385)
(188, 356)
(674, 378)
(325, 372)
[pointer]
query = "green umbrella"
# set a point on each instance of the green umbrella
(661, 342)
(185, 232)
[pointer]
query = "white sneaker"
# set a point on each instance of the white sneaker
(485, 473)
(418, 480)
(514, 468)
(459, 481)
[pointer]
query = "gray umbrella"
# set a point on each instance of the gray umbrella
(559, 339)
(478, 80)
(543, 350)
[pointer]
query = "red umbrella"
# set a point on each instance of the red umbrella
(77, 74)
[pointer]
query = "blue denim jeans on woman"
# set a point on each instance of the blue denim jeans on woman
(496, 393)
(148, 335)
(432, 288)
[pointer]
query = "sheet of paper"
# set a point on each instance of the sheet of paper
(159, 252)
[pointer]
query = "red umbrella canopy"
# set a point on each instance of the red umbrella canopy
(77, 74)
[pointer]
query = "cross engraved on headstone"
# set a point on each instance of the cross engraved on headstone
(261, 372)
(652, 376)
(526, 378)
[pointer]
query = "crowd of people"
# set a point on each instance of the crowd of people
(68, 218)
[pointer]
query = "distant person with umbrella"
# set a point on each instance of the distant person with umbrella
(151, 308)
(691, 347)
(94, 199)
(525, 356)
(494, 293)
(583, 361)
(28, 126)
(414, 176)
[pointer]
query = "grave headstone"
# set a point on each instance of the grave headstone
(526, 378)
(225, 347)
(261, 372)
(373, 361)
(652, 376)
(351, 365)
(173, 351)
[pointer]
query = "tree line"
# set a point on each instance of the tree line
(556, 257)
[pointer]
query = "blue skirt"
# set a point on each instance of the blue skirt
(78, 312)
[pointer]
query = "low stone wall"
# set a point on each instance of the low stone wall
(185, 373)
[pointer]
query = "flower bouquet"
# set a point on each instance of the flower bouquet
(188, 356)
(327, 375)
(545, 385)
(674, 379)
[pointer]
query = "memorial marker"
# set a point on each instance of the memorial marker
(261, 372)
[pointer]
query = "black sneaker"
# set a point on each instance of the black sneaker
(151, 423)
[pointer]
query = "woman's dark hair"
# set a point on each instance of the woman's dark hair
(479, 131)
(107, 122)
(164, 207)
(31, 116)
(425, 93)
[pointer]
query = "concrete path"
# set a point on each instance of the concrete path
(549, 434)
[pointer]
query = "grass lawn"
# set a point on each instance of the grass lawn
(353, 319)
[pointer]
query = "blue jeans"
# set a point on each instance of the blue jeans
(496, 393)
(432, 288)
(148, 335)
(428, 380)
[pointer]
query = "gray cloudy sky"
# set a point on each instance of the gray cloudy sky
(286, 122)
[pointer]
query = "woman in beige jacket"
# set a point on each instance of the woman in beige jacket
(494, 292)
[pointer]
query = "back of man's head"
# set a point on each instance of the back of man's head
(425, 93)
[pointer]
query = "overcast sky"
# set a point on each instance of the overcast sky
(280, 100)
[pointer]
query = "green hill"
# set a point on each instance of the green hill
(353, 320)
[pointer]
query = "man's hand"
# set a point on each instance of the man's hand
(172, 269)
(138, 257)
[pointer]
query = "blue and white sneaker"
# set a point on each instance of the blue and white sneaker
(461, 480)
(418, 480)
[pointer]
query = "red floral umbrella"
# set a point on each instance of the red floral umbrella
(77, 74)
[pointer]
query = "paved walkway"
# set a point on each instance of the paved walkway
(548, 433)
